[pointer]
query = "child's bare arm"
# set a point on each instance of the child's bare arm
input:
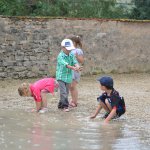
(80, 58)
(71, 67)
(75, 68)
(77, 65)
(79, 68)
(110, 116)
(96, 111)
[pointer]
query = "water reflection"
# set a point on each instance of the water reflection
(109, 135)
(72, 131)
(40, 138)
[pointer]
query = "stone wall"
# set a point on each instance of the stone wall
(29, 46)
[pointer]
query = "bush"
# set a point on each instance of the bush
(76, 8)
(141, 9)
(13, 8)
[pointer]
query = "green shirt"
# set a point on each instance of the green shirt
(62, 72)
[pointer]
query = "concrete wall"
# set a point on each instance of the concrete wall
(29, 46)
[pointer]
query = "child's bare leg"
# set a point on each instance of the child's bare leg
(38, 106)
(74, 92)
(108, 105)
(44, 100)
(104, 106)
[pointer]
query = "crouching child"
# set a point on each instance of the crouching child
(110, 100)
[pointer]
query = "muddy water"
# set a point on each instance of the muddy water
(56, 130)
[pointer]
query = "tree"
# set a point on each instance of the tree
(72, 8)
(141, 9)
(13, 8)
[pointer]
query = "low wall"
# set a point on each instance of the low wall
(29, 46)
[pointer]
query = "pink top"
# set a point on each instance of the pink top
(47, 84)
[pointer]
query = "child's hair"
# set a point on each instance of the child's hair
(76, 40)
(109, 87)
(23, 87)
(106, 81)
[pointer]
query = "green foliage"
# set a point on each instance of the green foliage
(66, 8)
(141, 9)
(53, 8)
(13, 7)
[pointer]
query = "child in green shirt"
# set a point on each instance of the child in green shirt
(66, 62)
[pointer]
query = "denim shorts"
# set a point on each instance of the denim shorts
(76, 76)
(120, 110)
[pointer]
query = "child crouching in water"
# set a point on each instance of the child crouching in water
(110, 100)
(38, 91)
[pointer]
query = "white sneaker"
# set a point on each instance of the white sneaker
(43, 110)
(66, 110)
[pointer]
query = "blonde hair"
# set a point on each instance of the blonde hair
(24, 87)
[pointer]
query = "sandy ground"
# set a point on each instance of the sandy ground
(134, 125)
(134, 87)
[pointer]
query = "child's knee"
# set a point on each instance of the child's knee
(107, 103)
(102, 103)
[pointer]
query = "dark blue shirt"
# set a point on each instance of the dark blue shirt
(114, 99)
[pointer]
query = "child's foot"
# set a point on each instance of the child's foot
(31, 110)
(106, 115)
(72, 104)
(43, 110)
(115, 117)
(66, 110)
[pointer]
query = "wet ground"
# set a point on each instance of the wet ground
(57, 130)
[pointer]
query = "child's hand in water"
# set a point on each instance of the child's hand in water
(92, 117)
(105, 121)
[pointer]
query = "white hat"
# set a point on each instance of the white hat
(68, 44)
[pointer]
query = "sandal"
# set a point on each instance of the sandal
(72, 104)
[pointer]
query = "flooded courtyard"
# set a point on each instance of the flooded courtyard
(57, 130)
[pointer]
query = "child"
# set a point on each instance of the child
(38, 91)
(110, 100)
(66, 62)
(76, 75)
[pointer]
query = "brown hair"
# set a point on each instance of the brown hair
(23, 87)
(76, 40)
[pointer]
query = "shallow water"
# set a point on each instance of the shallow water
(22, 130)
(57, 130)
